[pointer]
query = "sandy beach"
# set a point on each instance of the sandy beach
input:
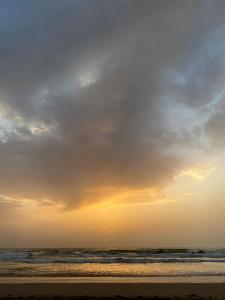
(112, 290)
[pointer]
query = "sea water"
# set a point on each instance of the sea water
(113, 263)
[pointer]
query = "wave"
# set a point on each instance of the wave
(109, 256)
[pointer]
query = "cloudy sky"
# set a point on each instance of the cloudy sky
(112, 123)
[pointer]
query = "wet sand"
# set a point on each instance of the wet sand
(112, 290)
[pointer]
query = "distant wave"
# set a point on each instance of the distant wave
(111, 256)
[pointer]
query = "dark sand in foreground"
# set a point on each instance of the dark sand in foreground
(112, 290)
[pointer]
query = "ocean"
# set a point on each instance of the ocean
(109, 263)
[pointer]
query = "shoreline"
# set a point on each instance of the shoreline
(111, 280)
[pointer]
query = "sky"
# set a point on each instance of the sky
(112, 123)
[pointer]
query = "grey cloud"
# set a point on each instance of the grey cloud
(215, 130)
(113, 131)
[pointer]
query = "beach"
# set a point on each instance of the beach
(112, 273)
(112, 290)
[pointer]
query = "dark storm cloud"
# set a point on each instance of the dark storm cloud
(86, 88)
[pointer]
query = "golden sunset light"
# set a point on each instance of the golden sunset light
(112, 149)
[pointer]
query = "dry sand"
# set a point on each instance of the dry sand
(130, 290)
